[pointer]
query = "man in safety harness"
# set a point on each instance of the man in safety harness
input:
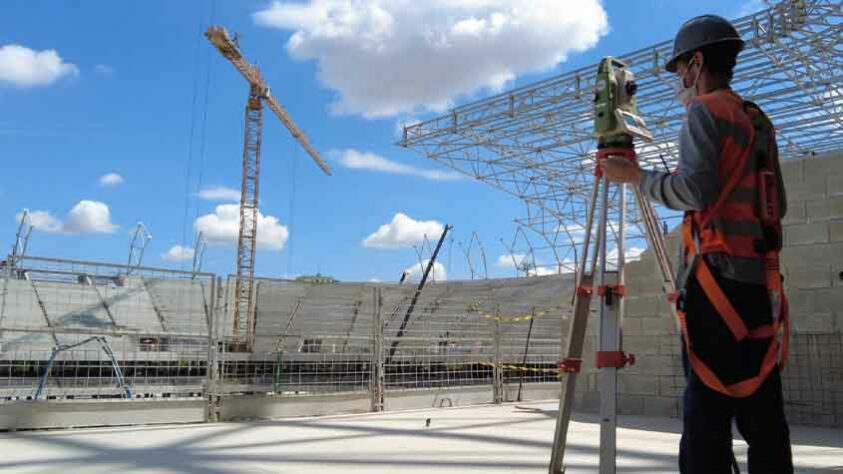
(729, 289)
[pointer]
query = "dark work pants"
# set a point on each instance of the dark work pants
(706, 445)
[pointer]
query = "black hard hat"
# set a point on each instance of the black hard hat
(702, 31)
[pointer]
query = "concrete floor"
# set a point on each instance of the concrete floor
(507, 438)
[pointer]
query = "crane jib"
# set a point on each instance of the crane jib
(219, 37)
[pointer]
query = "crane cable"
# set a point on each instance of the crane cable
(292, 214)
(203, 127)
(189, 168)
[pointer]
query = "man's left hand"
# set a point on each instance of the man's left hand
(622, 170)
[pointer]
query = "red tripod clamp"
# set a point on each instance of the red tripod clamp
(616, 359)
(617, 290)
(583, 291)
(603, 153)
(570, 365)
(611, 293)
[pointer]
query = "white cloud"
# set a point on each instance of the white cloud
(631, 253)
(223, 227)
(542, 271)
(42, 220)
(86, 217)
(415, 272)
(219, 193)
(111, 179)
(567, 266)
(403, 231)
(574, 230)
(354, 159)
(387, 57)
(104, 70)
(634, 253)
(89, 217)
(511, 260)
(177, 253)
(520, 262)
(403, 122)
(25, 67)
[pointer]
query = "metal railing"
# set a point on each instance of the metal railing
(166, 328)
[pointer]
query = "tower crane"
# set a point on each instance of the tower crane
(259, 93)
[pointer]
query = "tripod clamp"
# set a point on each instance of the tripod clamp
(627, 152)
(610, 292)
(616, 359)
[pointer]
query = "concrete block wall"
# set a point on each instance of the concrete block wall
(812, 262)
(813, 267)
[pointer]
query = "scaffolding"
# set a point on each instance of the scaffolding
(536, 142)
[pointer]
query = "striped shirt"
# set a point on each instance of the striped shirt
(696, 185)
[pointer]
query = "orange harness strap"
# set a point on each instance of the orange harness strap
(724, 307)
(739, 330)
(741, 389)
(720, 302)
(694, 258)
(746, 387)
(785, 332)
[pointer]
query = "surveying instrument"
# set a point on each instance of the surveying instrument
(616, 126)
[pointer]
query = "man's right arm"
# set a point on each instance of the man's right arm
(696, 183)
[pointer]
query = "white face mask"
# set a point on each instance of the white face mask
(686, 94)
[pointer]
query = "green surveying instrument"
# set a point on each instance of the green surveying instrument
(616, 127)
(616, 122)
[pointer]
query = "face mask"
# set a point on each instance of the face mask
(686, 94)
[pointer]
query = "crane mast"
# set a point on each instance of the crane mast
(244, 314)
(245, 320)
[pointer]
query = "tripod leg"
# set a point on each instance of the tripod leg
(609, 341)
(575, 339)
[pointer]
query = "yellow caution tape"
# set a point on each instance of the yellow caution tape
(521, 368)
(519, 318)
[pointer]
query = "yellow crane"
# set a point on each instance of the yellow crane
(259, 93)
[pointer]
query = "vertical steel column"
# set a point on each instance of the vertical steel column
(244, 317)
(219, 346)
(497, 370)
(526, 350)
(377, 376)
(6, 275)
(211, 394)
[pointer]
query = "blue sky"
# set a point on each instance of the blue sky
(134, 81)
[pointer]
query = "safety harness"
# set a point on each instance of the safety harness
(745, 221)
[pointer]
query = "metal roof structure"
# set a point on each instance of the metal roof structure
(536, 142)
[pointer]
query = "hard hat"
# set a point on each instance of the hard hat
(702, 31)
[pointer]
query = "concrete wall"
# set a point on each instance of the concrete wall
(813, 267)
(82, 413)
(68, 414)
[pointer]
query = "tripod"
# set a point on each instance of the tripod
(611, 290)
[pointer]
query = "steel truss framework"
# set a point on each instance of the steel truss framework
(535, 142)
